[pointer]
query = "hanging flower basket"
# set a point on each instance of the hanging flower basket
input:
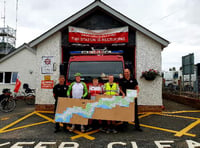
(150, 75)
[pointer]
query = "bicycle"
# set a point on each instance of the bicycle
(28, 96)
(7, 102)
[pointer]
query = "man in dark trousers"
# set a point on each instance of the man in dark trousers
(60, 90)
(129, 82)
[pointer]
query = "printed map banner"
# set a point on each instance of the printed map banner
(78, 111)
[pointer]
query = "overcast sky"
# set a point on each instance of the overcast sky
(178, 21)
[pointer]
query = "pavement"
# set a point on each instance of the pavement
(177, 126)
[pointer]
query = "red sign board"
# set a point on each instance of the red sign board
(108, 36)
(47, 84)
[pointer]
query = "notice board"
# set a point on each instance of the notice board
(78, 111)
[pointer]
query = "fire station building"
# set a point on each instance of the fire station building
(40, 62)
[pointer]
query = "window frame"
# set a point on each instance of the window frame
(3, 78)
(12, 77)
(12, 83)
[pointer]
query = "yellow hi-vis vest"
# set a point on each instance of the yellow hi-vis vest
(111, 90)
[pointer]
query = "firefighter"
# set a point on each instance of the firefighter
(59, 90)
(79, 90)
(129, 82)
(111, 88)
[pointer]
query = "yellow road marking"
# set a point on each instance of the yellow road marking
(145, 115)
(17, 121)
(186, 117)
(186, 129)
(5, 118)
(183, 111)
(164, 129)
(85, 135)
(20, 127)
(45, 117)
(80, 134)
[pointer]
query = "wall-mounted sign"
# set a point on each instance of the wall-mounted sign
(108, 36)
(47, 84)
(47, 64)
(47, 77)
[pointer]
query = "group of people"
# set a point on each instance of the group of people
(78, 90)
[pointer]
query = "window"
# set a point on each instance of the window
(8, 77)
(14, 77)
(1, 77)
(94, 69)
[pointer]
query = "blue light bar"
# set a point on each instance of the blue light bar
(75, 52)
(117, 52)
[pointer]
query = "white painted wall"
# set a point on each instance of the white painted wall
(148, 56)
(49, 47)
(22, 62)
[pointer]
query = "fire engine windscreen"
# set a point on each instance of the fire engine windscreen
(95, 69)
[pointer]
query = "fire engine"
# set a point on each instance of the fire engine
(95, 64)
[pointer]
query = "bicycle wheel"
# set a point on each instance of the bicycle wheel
(7, 105)
(30, 99)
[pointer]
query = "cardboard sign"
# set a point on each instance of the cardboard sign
(78, 111)
(114, 35)
(47, 84)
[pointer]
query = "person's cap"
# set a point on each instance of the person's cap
(77, 74)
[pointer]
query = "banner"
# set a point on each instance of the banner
(108, 36)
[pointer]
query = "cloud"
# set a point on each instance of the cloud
(172, 55)
(177, 21)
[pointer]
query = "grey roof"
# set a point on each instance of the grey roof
(24, 46)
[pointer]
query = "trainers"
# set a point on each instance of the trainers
(139, 129)
(72, 128)
(108, 131)
(82, 129)
(102, 130)
(89, 129)
(114, 131)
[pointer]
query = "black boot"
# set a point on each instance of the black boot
(57, 128)
(65, 127)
